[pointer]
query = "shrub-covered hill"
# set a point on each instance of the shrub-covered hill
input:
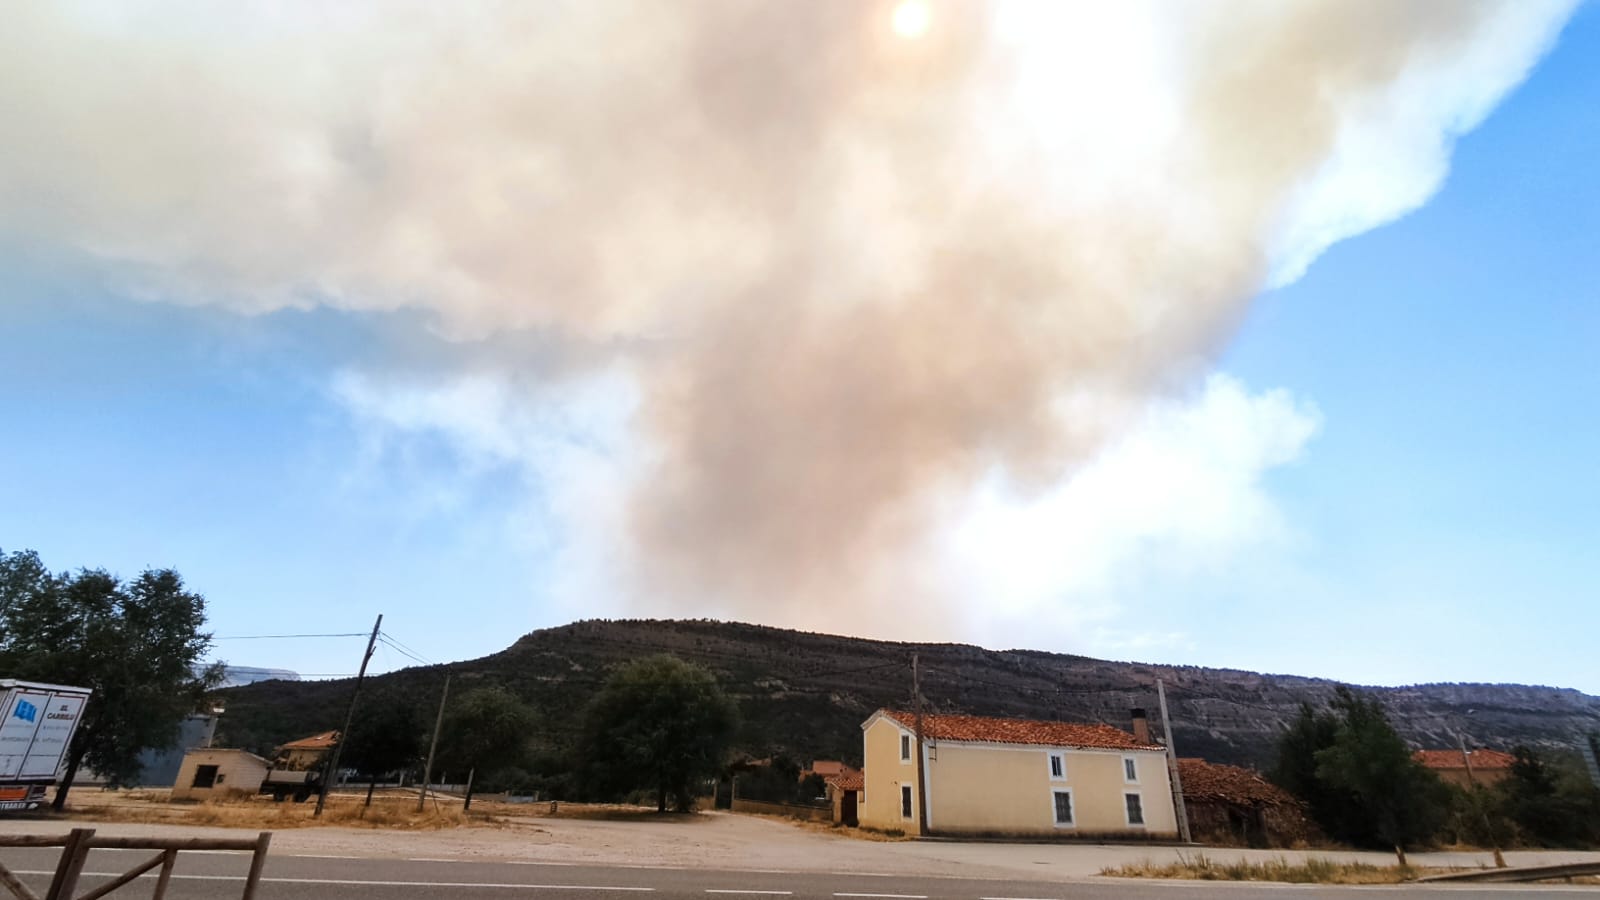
(805, 695)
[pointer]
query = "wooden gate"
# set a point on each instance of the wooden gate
(75, 847)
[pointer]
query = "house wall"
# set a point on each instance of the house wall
(302, 760)
(1482, 777)
(236, 771)
(1009, 789)
(879, 805)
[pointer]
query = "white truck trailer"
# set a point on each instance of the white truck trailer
(37, 728)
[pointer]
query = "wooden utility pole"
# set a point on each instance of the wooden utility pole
(922, 778)
(332, 768)
(1172, 765)
(438, 721)
(1477, 800)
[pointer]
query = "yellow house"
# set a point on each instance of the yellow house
(1014, 777)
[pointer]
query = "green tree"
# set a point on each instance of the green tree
(485, 731)
(1336, 811)
(1357, 777)
(138, 645)
(1403, 802)
(1546, 808)
(385, 736)
(658, 724)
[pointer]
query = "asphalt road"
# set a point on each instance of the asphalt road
(221, 875)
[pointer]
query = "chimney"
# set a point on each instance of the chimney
(1141, 725)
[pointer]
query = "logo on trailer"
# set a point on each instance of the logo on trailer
(26, 711)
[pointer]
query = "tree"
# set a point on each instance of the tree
(486, 730)
(138, 645)
(1546, 808)
(385, 736)
(1404, 803)
(1357, 776)
(659, 724)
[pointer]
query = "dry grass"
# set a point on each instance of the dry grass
(859, 834)
(254, 811)
(1311, 871)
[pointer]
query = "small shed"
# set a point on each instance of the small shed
(1230, 805)
(844, 791)
(211, 771)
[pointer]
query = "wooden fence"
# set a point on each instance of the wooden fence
(75, 847)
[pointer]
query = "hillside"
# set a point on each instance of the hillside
(806, 694)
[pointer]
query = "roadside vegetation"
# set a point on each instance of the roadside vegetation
(1200, 867)
(1361, 786)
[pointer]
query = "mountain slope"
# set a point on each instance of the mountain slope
(806, 694)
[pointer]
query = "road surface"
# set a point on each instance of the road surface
(310, 877)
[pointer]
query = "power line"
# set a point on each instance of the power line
(403, 652)
(400, 645)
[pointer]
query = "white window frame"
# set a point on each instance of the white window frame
(1053, 760)
(1143, 818)
(908, 803)
(1072, 805)
(906, 748)
(1130, 762)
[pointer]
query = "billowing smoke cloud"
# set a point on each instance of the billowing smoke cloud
(849, 274)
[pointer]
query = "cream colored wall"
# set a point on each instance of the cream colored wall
(885, 773)
(994, 788)
(236, 771)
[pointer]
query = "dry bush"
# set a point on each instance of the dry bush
(1311, 871)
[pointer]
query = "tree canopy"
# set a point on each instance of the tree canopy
(136, 644)
(486, 730)
(658, 724)
(1358, 777)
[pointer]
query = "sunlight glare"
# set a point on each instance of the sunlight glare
(911, 19)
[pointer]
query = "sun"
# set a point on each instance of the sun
(911, 18)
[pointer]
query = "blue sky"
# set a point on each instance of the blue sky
(1434, 520)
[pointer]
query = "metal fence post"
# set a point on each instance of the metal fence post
(257, 862)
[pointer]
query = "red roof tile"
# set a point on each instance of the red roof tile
(850, 780)
(1230, 784)
(1022, 731)
(1451, 759)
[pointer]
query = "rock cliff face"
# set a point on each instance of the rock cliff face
(806, 694)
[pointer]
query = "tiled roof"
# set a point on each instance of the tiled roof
(828, 767)
(323, 741)
(849, 780)
(982, 729)
(1230, 784)
(1451, 759)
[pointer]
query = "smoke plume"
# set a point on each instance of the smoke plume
(849, 274)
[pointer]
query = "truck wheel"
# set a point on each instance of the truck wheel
(301, 795)
(278, 796)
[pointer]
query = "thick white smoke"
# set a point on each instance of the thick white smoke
(848, 276)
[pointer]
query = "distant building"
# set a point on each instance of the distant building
(1014, 777)
(211, 771)
(844, 792)
(1483, 767)
(305, 753)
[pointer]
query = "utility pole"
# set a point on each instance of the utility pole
(427, 768)
(922, 779)
(1172, 765)
(332, 768)
(1472, 783)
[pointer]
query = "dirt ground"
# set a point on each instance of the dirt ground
(713, 840)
